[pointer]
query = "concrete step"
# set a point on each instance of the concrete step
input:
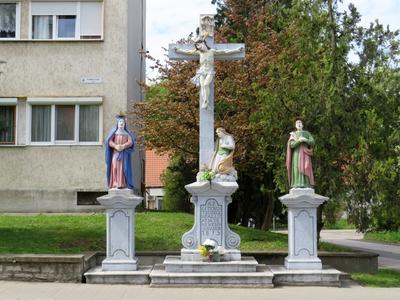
(174, 264)
(325, 277)
(97, 275)
(161, 278)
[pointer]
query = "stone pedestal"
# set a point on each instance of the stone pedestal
(211, 200)
(302, 206)
(120, 208)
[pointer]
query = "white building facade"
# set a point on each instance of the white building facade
(66, 69)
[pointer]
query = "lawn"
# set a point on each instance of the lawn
(340, 224)
(384, 278)
(48, 234)
(384, 236)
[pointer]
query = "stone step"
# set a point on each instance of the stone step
(174, 264)
(97, 275)
(161, 278)
(327, 276)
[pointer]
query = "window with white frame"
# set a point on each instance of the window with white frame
(9, 20)
(8, 122)
(66, 20)
(65, 121)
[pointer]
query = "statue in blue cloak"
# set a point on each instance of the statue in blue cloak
(119, 145)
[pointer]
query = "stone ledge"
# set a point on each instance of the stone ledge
(98, 276)
(50, 268)
(70, 268)
(161, 278)
(174, 264)
(42, 258)
(325, 277)
(349, 262)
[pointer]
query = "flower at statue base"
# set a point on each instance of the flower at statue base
(205, 174)
(210, 251)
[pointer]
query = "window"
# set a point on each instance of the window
(88, 123)
(89, 198)
(70, 121)
(91, 15)
(9, 20)
(65, 122)
(66, 20)
(41, 123)
(7, 124)
(42, 27)
(66, 26)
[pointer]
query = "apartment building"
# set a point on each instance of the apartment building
(66, 69)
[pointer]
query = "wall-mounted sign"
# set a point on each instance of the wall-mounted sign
(91, 80)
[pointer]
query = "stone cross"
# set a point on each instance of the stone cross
(206, 51)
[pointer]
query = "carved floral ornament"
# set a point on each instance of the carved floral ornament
(207, 26)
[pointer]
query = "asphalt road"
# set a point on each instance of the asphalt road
(389, 255)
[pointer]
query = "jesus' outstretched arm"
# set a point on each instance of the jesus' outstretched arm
(229, 51)
(186, 51)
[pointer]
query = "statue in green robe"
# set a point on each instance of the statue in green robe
(298, 158)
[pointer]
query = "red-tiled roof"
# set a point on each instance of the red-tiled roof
(155, 166)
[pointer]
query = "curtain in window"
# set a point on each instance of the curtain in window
(42, 27)
(7, 124)
(89, 123)
(41, 123)
(65, 122)
(7, 20)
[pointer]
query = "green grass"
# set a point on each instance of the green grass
(48, 234)
(340, 224)
(384, 278)
(52, 233)
(258, 240)
(385, 236)
(333, 248)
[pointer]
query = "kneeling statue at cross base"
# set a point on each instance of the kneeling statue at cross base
(221, 167)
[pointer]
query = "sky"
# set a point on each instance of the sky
(170, 20)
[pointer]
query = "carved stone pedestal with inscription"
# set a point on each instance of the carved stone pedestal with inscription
(211, 200)
(302, 206)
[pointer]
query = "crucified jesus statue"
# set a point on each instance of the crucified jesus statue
(205, 74)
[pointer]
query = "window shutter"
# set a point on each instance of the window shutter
(91, 19)
(60, 8)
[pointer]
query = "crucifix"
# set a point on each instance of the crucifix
(206, 51)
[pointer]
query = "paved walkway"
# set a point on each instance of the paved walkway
(389, 255)
(63, 291)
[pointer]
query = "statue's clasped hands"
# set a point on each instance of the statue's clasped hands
(119, 147)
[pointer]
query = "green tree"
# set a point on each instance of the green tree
(297, 65)
(176, 176)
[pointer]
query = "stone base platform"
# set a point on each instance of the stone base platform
(244, 273)
(313, 263)
(174, 264)
(120, 264)
(325, 277)
(97, 275)
(192, 255)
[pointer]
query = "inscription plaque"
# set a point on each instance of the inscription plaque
(211, 221)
